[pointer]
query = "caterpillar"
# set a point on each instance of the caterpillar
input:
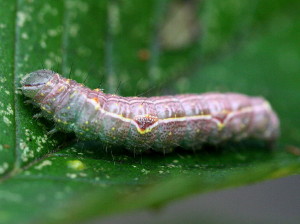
(159, 123)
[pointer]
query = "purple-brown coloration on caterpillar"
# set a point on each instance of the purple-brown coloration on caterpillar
(159, 123)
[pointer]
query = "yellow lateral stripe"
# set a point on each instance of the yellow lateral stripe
(221, 125)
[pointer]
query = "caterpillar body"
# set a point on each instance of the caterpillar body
(142, 123)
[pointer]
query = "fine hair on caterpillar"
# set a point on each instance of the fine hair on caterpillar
(159, 123)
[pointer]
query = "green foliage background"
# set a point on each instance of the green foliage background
(244, 46)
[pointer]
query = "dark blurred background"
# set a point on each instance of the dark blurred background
(276, 201)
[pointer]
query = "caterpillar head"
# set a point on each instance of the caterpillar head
(35, 81)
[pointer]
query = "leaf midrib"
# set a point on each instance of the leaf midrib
(16, 120)
(17, 163)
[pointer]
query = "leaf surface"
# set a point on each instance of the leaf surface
(140, 48)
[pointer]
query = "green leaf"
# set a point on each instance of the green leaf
(249, 47)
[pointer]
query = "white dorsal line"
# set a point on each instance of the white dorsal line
(171, 99)
(132, 101)
(220, 124)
